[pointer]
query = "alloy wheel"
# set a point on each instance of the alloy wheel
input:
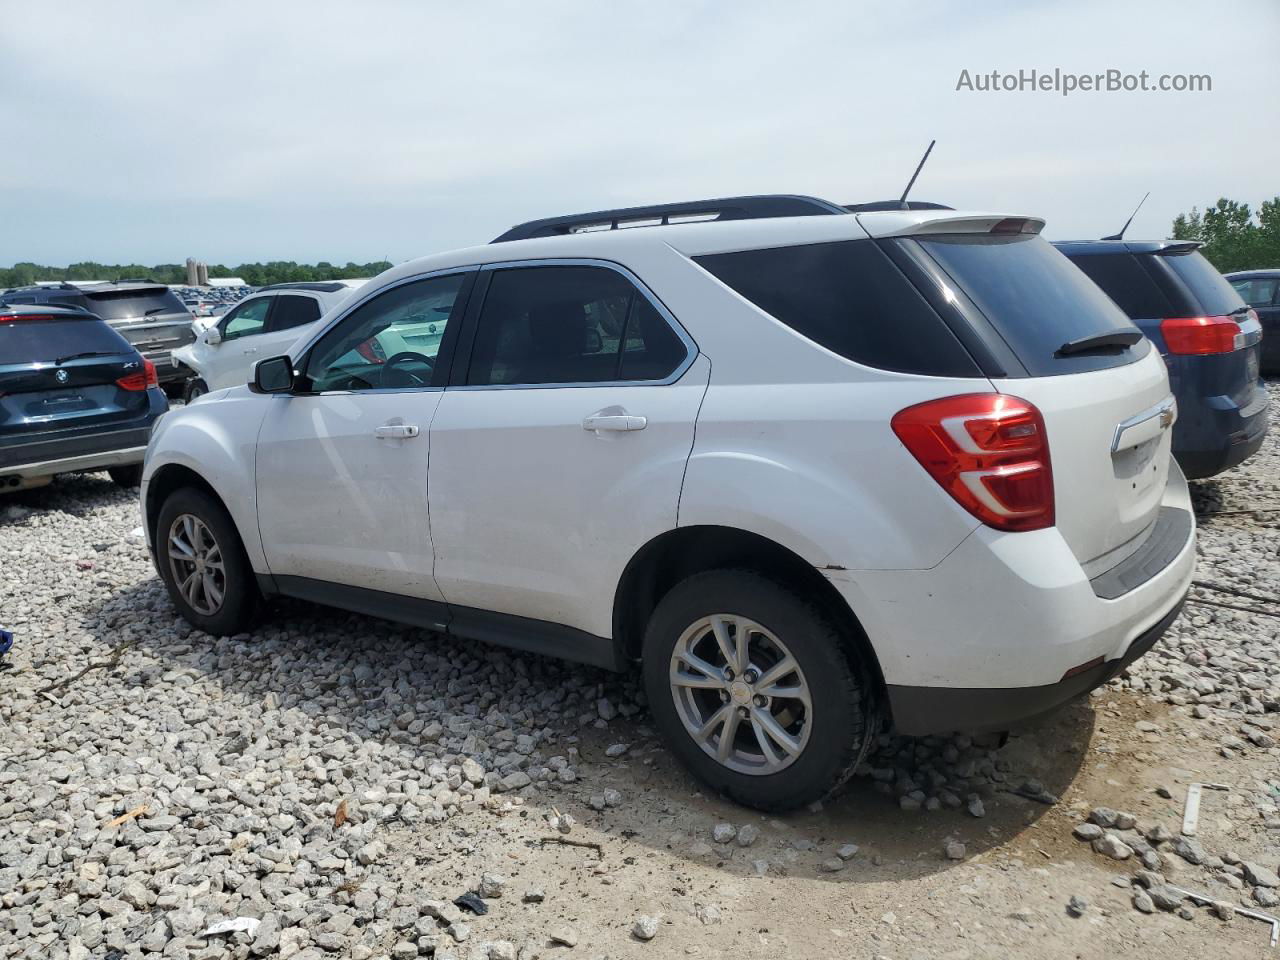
(740, 694)
(195, 560)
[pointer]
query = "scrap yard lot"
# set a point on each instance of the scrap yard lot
(332, 783)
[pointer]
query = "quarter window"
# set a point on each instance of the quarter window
(570, 324)
(391, 341)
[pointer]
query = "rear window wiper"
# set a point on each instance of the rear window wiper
(1109, 340)
(155, 310)
(85, 355)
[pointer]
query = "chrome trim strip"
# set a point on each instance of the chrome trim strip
(1167, 405)
(690, 345)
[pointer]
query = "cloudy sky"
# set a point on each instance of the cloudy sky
(233, 132)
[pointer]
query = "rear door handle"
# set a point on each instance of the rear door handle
(395, 431)
(619, 422)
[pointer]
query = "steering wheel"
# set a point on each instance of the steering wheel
(412, 378)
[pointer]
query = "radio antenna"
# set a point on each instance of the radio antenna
(1120, 235)
(902, 202)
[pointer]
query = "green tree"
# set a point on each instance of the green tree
(1234, 237)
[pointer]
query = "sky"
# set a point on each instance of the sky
(149, 132)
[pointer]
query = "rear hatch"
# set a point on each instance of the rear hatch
(65, 372)
(152, 318)
(1051, 337)
(1197, 289)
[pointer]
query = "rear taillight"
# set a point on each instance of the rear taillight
(989, 451)
(23, 317)
(144, 378)
(1201, 335)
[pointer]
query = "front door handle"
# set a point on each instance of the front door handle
(395, 431)
(619, 422)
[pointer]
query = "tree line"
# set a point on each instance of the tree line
(254, 274)
(1234, 236)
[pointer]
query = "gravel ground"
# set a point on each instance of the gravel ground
(337, 782)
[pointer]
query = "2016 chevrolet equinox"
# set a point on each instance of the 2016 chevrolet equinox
(816, 471)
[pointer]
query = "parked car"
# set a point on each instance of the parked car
(262, 324)
(817, 472)
(1260, 289)
(74, 396)
(1209, 338)
(149, 315)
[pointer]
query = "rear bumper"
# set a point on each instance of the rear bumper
(919, 711)
(166, 369)
(995, 633)
(74, 450)
(1214, 433)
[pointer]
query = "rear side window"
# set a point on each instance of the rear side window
(293, 311)
(1256, 291)
(44, 341)
(850, 298)
(134, 304)
(1034, 298)
(1123, 278)
(571, 324)
(1215, 295)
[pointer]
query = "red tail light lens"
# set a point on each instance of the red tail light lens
(144, 378)
(1199, 336)
(989, 451)
(21, 317)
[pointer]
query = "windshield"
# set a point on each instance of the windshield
(43, 341)
(135, 303)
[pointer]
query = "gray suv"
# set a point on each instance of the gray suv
(149, 315)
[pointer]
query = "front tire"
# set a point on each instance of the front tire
(203, 564)
(195, 389)
(755, 690)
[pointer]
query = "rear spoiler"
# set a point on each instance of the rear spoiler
(911, 223)
(1180, 247)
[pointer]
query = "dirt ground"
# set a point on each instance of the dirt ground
(899, 897)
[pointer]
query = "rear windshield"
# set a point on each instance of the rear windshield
(44, 341)
(1034, 298)
(849, 297)
(1126, 281)
(136, 303)
(1216, 296)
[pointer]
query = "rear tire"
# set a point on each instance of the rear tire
(129, 476)
(791, 747)
(195, 388)
(203, 564)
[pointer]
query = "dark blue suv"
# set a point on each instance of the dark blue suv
(74, 396)
(1210, 340)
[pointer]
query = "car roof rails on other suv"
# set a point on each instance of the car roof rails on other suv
(327, 286)
(765, 206)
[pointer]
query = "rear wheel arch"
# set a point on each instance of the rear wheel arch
(678, 554)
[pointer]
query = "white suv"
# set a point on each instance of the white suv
(263, 324)
(815, 471)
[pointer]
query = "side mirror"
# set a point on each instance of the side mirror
(273, 375)
(213, 336)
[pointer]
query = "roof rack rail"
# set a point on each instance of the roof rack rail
(761, 207)
(321, 286)
(874, 206)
